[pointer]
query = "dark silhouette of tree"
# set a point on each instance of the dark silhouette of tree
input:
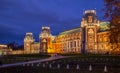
(15, 46)
(20, 47)
(11, 45)
(0, 62)
(112, 13)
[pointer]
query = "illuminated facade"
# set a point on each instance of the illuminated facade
(91, 37)
(70, 41)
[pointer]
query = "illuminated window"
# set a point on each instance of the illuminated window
(90, 31)
(90, 19)
(74, 43)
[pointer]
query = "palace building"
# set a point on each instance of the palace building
(91, 37)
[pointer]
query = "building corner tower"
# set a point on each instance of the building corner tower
(28, 40)
(44, 37)
(89, 26)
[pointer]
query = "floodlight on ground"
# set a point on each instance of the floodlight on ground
(105, 69)
(90, 67)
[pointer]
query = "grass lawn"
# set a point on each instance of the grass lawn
(21, 58)
(98, 63)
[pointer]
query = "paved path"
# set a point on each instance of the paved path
(35, 61)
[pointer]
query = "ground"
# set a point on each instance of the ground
(69, 65)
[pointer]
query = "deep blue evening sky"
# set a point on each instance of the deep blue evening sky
(20, 16)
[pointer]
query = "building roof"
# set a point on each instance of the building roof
(35, 42)
(75, 30)
(104, 26)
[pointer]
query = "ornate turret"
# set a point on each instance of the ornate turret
(45, 33)
(89, 18)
